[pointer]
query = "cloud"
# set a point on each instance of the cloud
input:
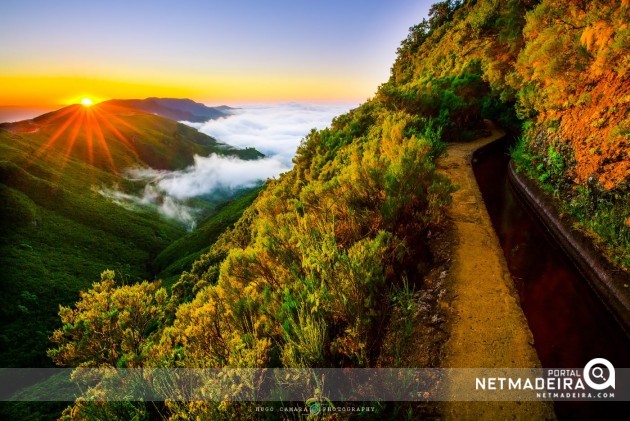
(152, 199)
(275, 130)
(167, 192)
(209, 174)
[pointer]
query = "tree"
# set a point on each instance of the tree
(109, 326)
(442, 12)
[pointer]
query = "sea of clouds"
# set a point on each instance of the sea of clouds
(275, 130)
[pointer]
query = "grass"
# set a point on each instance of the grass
(405, 309)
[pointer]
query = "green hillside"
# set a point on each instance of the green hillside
(337, 263)
(182, 253)
(558, 71)
(58, 233)
(114, 137)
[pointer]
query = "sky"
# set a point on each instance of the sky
(240, 51)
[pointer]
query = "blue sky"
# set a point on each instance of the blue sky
(340, 50)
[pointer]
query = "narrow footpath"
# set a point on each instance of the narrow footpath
(487, 327)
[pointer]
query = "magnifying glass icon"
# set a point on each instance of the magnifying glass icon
(598, 373)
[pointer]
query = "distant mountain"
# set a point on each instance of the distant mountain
(10, 113)
(112, 136)
(175, 109)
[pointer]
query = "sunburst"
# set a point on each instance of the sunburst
(90, 120)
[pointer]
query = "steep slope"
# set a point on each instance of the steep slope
(180, 255)
(314, 271)
(561, 67)
(574, 91)
(337, 254)
(175, 109)
(57, 234)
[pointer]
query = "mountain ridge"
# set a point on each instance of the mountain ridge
(178, 109)
(114, 137)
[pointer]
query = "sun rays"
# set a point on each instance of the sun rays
(94, 125)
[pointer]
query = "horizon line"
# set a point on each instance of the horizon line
(213, 103)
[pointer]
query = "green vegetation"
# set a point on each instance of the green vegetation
(560, 67)
(58, 233)
(123, 315)
(113, 138)
(405, 302)
(182, 253)
(55, 236)
(303, 279)
(600, 212)
(327, 259)
(454, 67)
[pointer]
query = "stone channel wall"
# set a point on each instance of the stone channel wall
(610, 283)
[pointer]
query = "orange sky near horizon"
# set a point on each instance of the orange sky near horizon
(41, 90)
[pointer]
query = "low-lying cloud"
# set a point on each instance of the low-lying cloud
(209, 174)
(168, 191)
(275, 130)
(152, 198)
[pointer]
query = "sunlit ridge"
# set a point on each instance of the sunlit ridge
(90, 121)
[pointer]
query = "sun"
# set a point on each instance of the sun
(96, 126)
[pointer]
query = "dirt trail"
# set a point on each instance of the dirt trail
(487, 326)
